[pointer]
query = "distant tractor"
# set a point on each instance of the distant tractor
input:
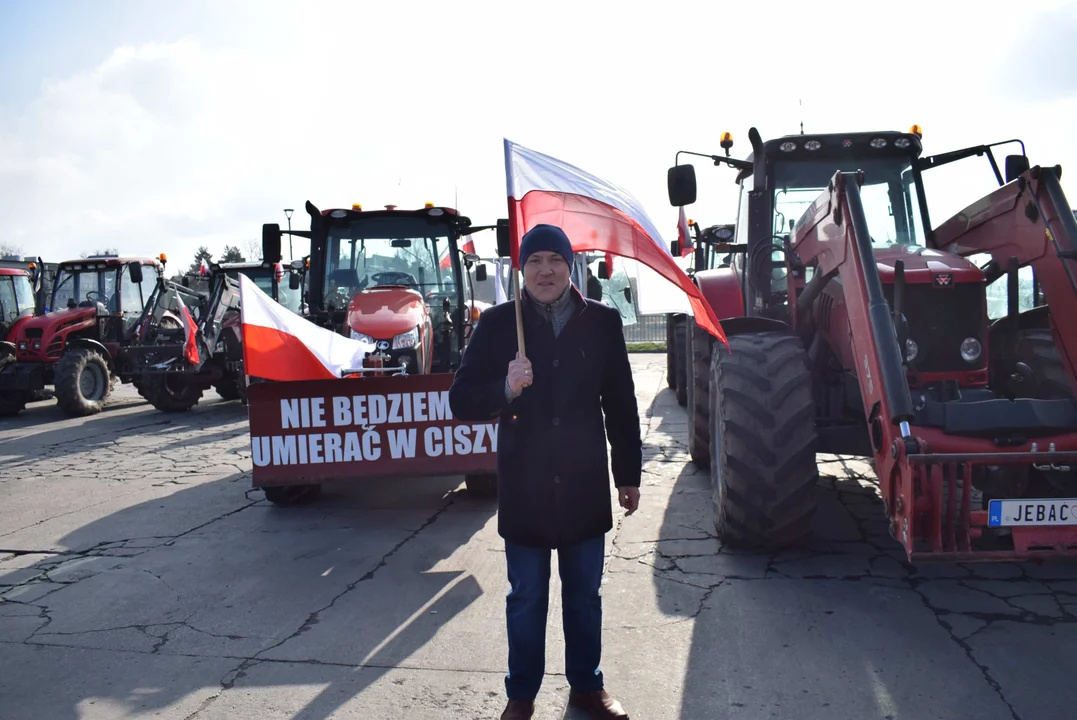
(858, 327)
(94, 307)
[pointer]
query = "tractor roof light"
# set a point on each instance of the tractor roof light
(435, 212)
(163, 258)
(878, 143)
(726, 141)
(428, 205)
(813, 145)
(917, 131)
(902, 142)
(788, 146)
(357, 207)
(390, 207)
(339, 213)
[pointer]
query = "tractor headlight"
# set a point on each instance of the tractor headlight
(971, 349)
(362, 337)
(911, 348)
(22, 346)
(403, 341)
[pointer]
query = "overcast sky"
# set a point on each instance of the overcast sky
(160, 126)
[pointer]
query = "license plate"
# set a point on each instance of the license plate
(1016, 513)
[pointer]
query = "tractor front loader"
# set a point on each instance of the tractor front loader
(858, 330)
(186, 342)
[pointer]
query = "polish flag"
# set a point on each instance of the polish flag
(596, 215)
(684, 236)
(190, 333)
(282, 346)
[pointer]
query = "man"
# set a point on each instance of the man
(594, 287)
(553, 477)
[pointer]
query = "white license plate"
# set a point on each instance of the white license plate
(1017, 513)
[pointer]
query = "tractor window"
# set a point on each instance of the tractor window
(404, 253)
(76, 287)
(888, 195)
(130, 299)
(24, 293)
(8, 306)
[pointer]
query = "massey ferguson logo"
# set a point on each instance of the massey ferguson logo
(944, 280)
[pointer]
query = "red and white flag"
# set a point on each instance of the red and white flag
(596, 215)
(190, 333)
(684, 236)
(280, 345)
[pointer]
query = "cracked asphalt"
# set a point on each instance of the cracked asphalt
(141, 576)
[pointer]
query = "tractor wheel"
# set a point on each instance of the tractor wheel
(170, 393)
(671, 364)
(286, 495)
(12, 404)
(699, 361)
(482, 484)
(83, 382)
(680, 361)
(231, 388)
(762, 416)
(1049, 381)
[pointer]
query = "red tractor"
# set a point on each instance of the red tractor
(399, 282)
(858, 327)
(95, 305)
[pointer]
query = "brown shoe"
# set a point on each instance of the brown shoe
(599, 704)
(518, 710)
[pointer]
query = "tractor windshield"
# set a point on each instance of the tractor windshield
(888, 194)
(381, 252)
(16, 296)
(86, 285)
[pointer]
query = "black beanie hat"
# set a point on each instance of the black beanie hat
(545, 237)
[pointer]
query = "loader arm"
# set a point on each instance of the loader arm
(1026, 222)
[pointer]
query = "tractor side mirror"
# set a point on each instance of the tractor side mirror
(293, 281)
(271, 243)
(504, 241)
(603, 270)
(480, 273)
(134, 270)
(675, 248)
(1016, 165)
(681, 184)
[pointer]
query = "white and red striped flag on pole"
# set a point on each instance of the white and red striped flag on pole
(596, 215)
(684, 236)
(280, 345)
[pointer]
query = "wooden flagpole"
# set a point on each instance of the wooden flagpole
(519, 312)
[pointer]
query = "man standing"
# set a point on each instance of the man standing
(594, 287)
(552, 466)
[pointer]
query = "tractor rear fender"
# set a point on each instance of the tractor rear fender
(91, 344)
(721, 288)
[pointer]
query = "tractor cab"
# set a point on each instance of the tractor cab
(269, 277)
(396, 280)
(16, 298)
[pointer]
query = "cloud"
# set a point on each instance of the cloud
(1038, 66)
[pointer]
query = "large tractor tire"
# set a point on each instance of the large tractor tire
(483, 485)
(763, 469)
(12, 404)
(231, 388)
(698, 383)
(170, 393)
(680, 361)
(287, 495)
(83, 382)
(1050, 380)
(671, 375)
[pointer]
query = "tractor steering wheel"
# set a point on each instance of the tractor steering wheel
(394, 277)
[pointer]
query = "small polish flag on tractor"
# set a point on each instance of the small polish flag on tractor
(190, 333)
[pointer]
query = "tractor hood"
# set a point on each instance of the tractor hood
(42, 337)
(385, 312)
(52, 321)
(923, 265)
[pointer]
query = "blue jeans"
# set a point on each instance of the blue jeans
(527, 605)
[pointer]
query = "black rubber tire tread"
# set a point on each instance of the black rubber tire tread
(66, 381)
(680, 360)
(482, 485)
(288, 495)
(763, 441)
(671, 377)
(156, 389)
(1037, 349)
(231, 388)
(12, 404)
(699, 382)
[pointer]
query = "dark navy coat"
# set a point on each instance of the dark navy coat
(553, 469)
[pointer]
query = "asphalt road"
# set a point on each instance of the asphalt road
(141, 576)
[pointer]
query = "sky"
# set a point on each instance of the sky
(159, 127)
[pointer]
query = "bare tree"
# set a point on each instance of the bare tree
(106, 251)
(252, 248)
(8, 248)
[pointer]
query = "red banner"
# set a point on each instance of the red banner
(355, 429)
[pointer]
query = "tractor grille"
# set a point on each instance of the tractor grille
(939, 320)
